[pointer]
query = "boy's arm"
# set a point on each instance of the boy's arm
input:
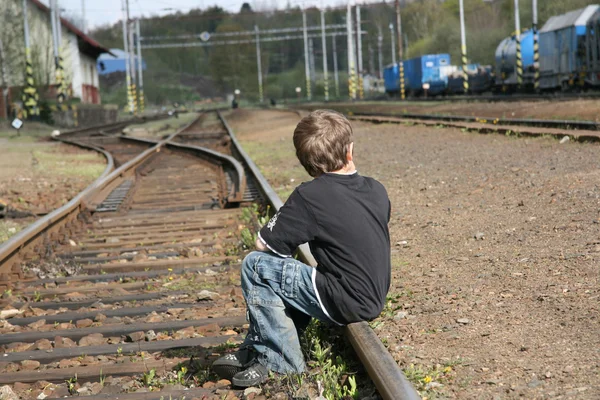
(260, 245)
(291, 226)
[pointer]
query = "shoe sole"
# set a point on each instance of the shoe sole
(246, 383)
(226, 371)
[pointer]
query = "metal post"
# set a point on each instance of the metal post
(132, 61)
(127, 60)
(518, 39)
(306, 59)
(336, 77)
(379, 52)
(400, 53)
(140, 65)
(536, 49)
(463, 46)
(351, 71)
(83, 21)
(324, 46)
(4, 75)
(30, 95)
(56, 38)
(259, 65)
(311, 57)
(393, 34)
(61, 81)
(361, 90)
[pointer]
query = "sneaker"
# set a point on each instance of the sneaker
(254, 375)
(230, 364)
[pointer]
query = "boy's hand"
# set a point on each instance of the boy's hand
(260, 246)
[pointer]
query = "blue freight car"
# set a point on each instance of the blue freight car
(592, 67)
(563, 49)
(421, 74)
(506, 61)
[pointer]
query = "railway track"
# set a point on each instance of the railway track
(135, 282)
(574, 129)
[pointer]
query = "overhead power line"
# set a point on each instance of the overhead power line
(245, 41)
(242, 33)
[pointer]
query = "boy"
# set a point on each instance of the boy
(343, 216)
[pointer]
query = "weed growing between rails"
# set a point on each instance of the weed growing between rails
(333, 370)
(254, 219)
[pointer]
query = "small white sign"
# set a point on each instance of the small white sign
(204, 36)
(17, 123)
(429, 64)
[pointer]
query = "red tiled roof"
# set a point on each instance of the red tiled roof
(85, 38)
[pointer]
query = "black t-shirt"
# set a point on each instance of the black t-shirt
(344, 218)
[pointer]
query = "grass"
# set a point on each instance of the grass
(9, 228)
(89, 165)
(277, 162)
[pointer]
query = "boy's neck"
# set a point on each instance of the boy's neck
(347, 169)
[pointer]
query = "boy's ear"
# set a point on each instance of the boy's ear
(350, 153)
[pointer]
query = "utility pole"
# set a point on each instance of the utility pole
(324, 46)
(311, 57)
(140, 65)
(361, 89)
(127, 60)
(371, 60)
(131, 60)
(30, 95)
(400, 53)
(306, 59)
(4, 76)
(463, 47)
(336, 77)
(351, 65)
(393, 34)
(536, 49)
(379, 52)
(56, 38)
(83, 20)
(518, 39)
(259, 65)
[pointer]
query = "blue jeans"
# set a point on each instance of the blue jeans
(279, 295)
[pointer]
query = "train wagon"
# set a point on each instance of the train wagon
(506, 61)
(563, 55)
(480, 79)
(593, 51)
(421, 75)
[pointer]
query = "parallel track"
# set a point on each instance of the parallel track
(138, 267)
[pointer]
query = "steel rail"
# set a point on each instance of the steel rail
(540, 123)
(381, 366)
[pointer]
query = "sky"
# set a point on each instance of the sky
(101, 12)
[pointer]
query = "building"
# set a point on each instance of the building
(115, 61)
(78, 51)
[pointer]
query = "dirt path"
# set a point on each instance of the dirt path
(496, 249)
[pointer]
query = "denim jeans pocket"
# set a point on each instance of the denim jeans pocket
(289, 280)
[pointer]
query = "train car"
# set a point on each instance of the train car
(480, 79)
(563, 55)
(506, 62)
(593, 51)
(421, 75)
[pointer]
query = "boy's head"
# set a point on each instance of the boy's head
(323, 141)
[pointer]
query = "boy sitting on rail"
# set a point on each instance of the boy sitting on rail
(344, 217)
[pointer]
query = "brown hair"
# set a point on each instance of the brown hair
(321, 140)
